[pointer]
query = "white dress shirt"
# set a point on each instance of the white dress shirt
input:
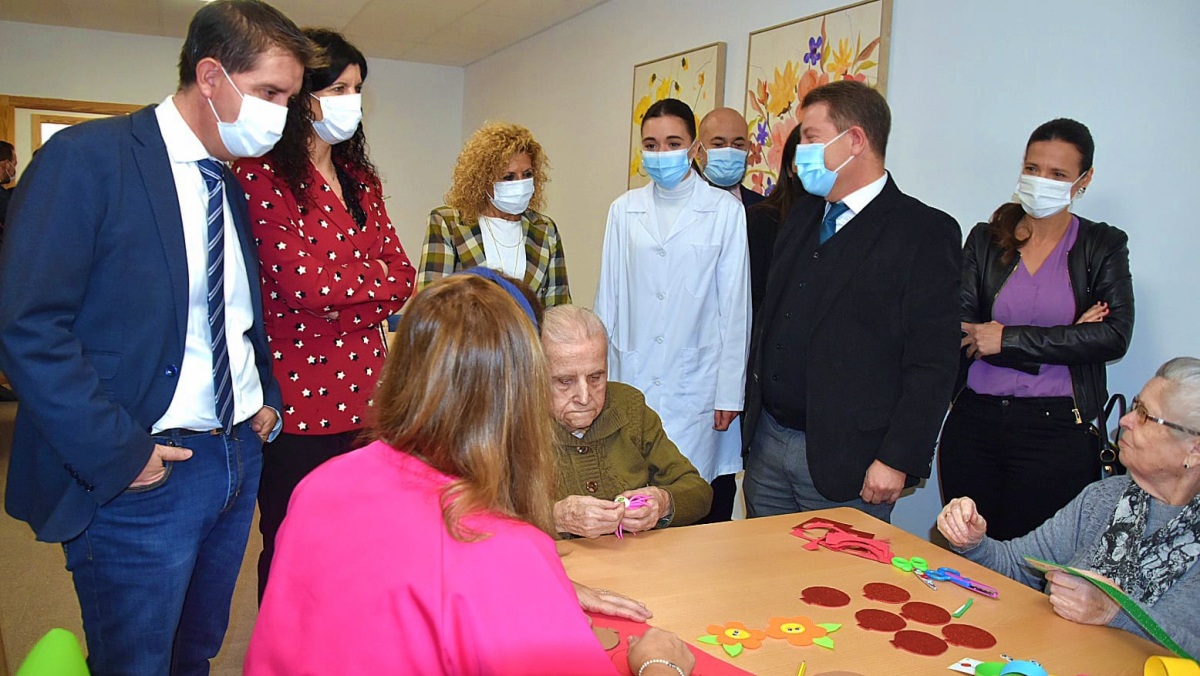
(857, 201)
(194, 404)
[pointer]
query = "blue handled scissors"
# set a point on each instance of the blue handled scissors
(950, 575)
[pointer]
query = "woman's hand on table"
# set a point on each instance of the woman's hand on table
(586, 516)
(611, 603)
(961, 523)
(657, 644)
(1078, 600)
(647, 516)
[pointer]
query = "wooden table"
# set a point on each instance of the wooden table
(750, 571)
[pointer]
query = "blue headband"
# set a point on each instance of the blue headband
(488, 273)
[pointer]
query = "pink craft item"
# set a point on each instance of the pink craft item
(636, 502)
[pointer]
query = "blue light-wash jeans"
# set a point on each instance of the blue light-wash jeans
(156, 568)
(778, 480)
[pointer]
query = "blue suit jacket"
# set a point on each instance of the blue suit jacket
(93, 313)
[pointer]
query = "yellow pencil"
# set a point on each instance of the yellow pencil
(803, 668)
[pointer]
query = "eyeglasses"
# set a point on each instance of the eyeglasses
(1139, 409)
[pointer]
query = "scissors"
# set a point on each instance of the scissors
(917, 566)
(950, 575)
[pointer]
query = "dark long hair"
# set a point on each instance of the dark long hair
(350, 160)
(788, 188)
(1004, 221)
(672, 108)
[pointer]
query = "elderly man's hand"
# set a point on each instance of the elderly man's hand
(648, 515)
(1081, 601)
(587, 516)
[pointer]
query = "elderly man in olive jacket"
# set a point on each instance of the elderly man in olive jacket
(611, 446)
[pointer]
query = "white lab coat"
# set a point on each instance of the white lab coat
(678, 316)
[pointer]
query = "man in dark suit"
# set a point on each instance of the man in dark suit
(724, 130)
(856, 345)
(131, 328)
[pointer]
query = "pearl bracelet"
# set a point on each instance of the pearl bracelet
(674, 666)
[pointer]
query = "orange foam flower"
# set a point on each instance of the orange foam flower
(734, 633)
(799, 631)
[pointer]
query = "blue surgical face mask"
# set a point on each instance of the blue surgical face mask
(816, 178)
(667, 168)
(726, 166)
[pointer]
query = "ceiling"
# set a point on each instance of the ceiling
(448, 32)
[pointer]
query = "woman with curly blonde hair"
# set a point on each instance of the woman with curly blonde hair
(490, 213)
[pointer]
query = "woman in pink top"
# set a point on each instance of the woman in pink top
(428, 551)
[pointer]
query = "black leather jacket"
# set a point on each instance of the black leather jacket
(1098, 266)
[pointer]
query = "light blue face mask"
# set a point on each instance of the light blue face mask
(816, 178)
(726, 166)
(667, 168)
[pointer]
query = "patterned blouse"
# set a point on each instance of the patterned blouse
(325, 295)
(453, 244)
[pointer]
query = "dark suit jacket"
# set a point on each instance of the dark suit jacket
(93, 312)
(749, 197)
(884, 339)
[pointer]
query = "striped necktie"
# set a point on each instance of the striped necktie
(829, 224)
(212, 172)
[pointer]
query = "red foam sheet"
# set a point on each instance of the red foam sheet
(706, 664)
(885, 593)
(879, 620)
(826, 597)
(966, 636)
(925, 613)
(919, 643)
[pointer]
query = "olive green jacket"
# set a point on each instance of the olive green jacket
(626, 448)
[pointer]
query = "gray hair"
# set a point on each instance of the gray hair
(566, 324)
(1182, 395)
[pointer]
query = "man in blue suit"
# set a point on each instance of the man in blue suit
(131, 328)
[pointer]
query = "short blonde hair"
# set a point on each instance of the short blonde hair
(482, 161)
(466, 389)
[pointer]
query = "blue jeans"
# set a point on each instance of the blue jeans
(778, 480)
(155, 569)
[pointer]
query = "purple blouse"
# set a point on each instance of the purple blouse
(1042, 299)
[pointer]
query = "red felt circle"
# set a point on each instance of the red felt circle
(827, 597)
(966, 636)
(879, 620)
(925, 613)
(885, 593)
(920, 643)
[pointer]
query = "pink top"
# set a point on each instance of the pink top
(367, 580)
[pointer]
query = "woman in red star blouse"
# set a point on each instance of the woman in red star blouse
(332, 271)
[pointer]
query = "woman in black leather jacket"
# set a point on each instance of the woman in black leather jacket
(1047, 301)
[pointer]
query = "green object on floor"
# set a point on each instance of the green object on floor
(56, 654)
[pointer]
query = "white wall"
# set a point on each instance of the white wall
(968, 82)
(413, 112)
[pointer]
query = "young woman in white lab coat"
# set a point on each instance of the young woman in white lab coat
(675, 296)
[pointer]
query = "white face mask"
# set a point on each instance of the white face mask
(512, 197)
(340, 116)
(1044, 197)
(258, 127)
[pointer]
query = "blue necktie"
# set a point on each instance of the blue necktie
(829, 225)
(211, 170)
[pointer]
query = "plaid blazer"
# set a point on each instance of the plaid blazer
(452, 245)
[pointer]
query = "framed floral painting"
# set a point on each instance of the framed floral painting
(789, 60)
(696, 77)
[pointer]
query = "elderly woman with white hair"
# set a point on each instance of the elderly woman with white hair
(616, 465)
(1140, 532)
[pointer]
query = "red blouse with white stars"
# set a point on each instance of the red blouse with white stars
(325, 295)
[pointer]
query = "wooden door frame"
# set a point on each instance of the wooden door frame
(9, 105)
